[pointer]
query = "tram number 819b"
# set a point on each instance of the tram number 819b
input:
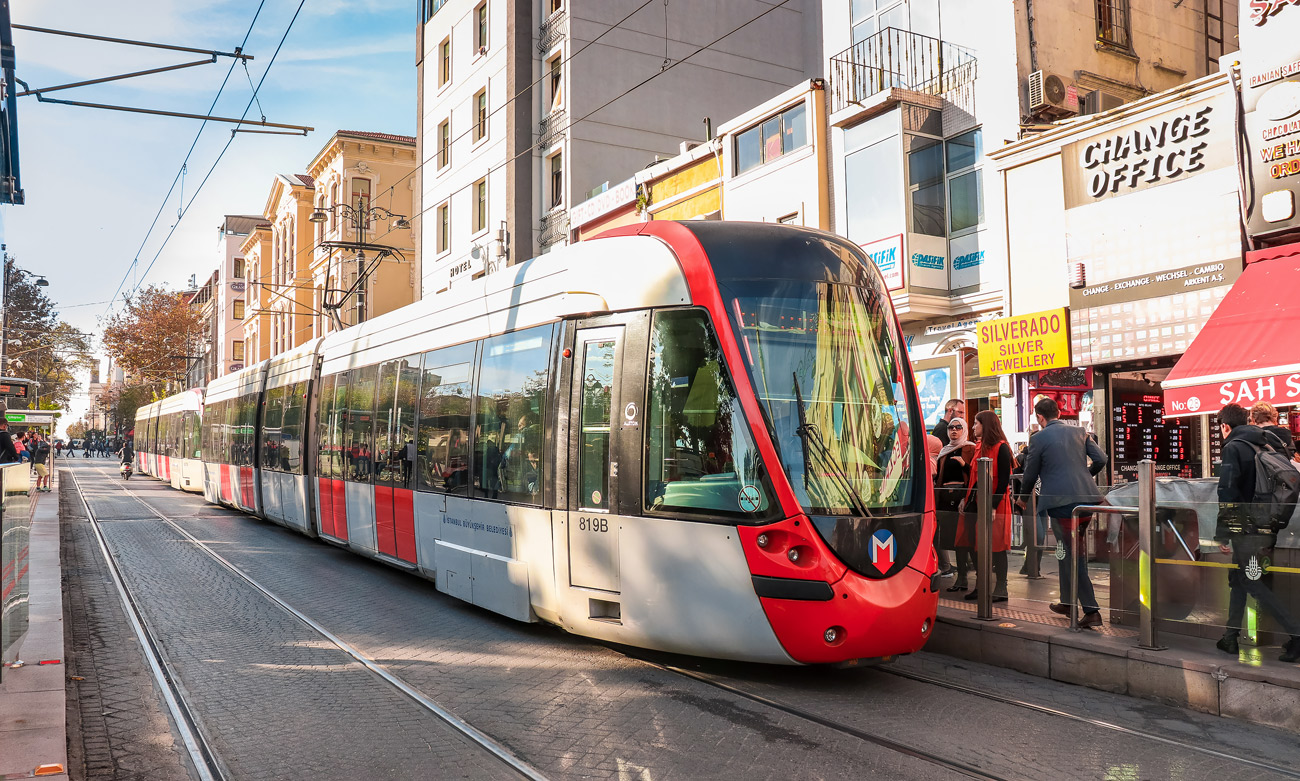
(599, 525)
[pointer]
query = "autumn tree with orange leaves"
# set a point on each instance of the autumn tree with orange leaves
(152, 335)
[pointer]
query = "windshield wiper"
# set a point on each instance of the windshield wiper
(812, 442)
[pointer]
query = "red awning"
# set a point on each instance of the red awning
(1249, 349)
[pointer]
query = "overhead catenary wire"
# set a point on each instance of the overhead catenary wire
(181, 171)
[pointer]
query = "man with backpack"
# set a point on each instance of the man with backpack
(1256, 499)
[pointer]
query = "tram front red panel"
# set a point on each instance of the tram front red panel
(340, 509)
(385, 535)
(325, 505)
(227, 495)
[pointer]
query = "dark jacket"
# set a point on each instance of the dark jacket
(1284, 435)
(8, 453)
(941, 431)
(1067, 460)
(1237, 476)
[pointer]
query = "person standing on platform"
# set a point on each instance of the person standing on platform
(40, 450)
(1249, 543)
(1067, 462)
(1264, 415)
(8, 454)
(952, 474)
(990, 443)
(955, 408)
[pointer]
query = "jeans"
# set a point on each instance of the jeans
(1082, 590)
(1241, 586)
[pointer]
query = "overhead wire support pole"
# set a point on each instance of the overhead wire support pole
(301, 128)
(129, 42)
(117, 78)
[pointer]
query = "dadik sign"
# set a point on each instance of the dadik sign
(1033, 342)
(887, 254)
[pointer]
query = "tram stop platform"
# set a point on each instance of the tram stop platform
(1189, 671)
(33, 695)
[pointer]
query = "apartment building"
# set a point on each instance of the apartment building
(919, 89)
(288, 209)
(527, 108)
(257, 311)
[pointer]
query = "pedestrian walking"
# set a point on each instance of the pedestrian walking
(1264, 415)
(954, 408)
(952, 476)
(40, 450)
(1067, 462)
(990, 443)
(1241, 535)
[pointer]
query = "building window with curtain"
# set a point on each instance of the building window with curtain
(480, 115)
(481, 28)
(444, 62)
(238, 312)
(360, 203)
(480, 206)
(772, 138)
(444, 143)
(444, 227)
(1112, 23)
(557, 180)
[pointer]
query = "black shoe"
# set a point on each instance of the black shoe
(1090, 619)
(1059, 607)
(1229, 645)
(973, 595)
(999, 599)
(1291, 651)
(956, 587)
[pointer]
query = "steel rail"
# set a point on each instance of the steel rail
(1131, 731)
(478, 737)
(870, 737)
(201, 754)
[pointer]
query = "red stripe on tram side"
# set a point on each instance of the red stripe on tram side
(404, 523)
(704, 292)
(325, 506)
(385, 539)
(226, 495)
(340, 510)
(246, 488)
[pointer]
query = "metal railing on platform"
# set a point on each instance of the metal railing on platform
(15, 545)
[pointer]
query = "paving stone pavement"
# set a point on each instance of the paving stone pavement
(577, 709)
(118, 727)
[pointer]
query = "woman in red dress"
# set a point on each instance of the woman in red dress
(990, 443)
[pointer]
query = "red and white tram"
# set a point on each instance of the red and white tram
(694, 437)
(167, 440)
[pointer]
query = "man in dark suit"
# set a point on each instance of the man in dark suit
(955, 408)
(1067, 462)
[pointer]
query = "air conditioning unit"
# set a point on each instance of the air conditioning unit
(1096, 102)
(1051, 94)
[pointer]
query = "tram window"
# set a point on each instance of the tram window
(509, 410)
(442, 440)
(386, 422)
(408, 399)
(326, 439)
(295, 406)
(700, 454)
(361, 419)
(597, 397)
(272, 421)
(191, 437)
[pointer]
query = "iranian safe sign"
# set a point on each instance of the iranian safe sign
(1033, 342)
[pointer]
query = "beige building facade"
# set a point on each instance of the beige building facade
(257, 268)
(288, 208)
(365, 186)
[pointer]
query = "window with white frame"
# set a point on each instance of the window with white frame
(444, 227)
(481, 28)
(238, 309)
(239, 268)
(772, 138)
(555, 81)
(360, 202)
(965, 182)
(444, 143)
(557, 179)
(480, 206)
(480, 115)
(237, 350)
(444, 62)
(334, 201)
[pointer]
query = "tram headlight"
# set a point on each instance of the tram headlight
(925, 626)
(833, 635)
(762, 540)
(793, 555)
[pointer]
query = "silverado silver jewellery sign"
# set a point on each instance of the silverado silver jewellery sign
(1188, 279)
(1167, 147)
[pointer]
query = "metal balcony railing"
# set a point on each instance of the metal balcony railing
(554, 227)
(552, 30)
(898, 59)
(552, 126)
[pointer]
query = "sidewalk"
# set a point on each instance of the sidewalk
(1190, 672)
(33, 733)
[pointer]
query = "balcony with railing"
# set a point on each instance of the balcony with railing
(552, 30)
(554, 228)
(552, 127)
(898, 59)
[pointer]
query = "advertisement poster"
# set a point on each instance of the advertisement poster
(887, 254)
(1024, 343)
(937, 380)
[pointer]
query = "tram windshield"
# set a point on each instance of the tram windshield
(826, 367)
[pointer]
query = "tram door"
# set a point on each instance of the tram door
(600, 442)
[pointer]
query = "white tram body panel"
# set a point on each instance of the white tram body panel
(231, 478)
(284, 455)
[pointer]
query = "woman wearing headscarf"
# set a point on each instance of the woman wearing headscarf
(990, 443)
(951, 477)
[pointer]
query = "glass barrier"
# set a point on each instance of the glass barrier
(15, 535)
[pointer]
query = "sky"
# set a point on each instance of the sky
(95, 179)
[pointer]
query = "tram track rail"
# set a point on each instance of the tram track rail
(205, 759)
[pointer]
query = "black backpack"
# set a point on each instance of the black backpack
(1277, 488)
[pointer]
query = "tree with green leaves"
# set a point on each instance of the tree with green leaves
(39, 346)
(152, 335)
